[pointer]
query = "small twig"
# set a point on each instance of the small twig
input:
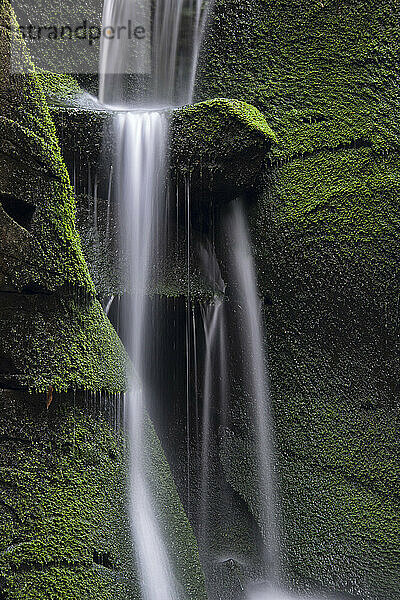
(49, 397)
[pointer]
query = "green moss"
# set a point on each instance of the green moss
(210, 116)
(179, 537)
(54, 341)
(30, 153)
(83, 131)
(63, 518)
(326, 243)
(54, 332)
(62, 475)
(224, 140)
(323, 73)
(58, 87)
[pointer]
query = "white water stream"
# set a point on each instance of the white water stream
(164, 51)
(252, 371)
(169, 57)
(141, 175)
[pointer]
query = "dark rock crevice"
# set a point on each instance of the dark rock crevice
(20, 211)
(104, 559)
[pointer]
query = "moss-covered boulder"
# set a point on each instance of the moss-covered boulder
(221, 143)
(326, 233)
(53, 332)
(64, 527)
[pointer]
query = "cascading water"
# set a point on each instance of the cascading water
(166, 50)
(213, 362)
(141, 191)
(244, 325)
(123, 53)
(214, 377)
(140, 175)
(141, 158)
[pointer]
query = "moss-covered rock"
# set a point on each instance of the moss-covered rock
(64, 531)
(325, 233)
(51, 341)
(327, 252)
(323, 73)
(30, 152)
(214, 146)
(63, 520)
(53, 330)
(222, 143)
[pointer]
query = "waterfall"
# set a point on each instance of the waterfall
(171, 81)
(166, 51)
(214, 386)
(125, 53)
(168, 58)
(244, 325)
(244, 277)
(167, 26)
(140, 182)
(141, 174)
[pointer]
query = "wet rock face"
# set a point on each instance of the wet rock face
(326, 251)
(37, 203)
(325, 232)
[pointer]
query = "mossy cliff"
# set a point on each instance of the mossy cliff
(63, 525)
(323, 73)
(326, 242)
(63, 517)
(325, 232)
(72, 345)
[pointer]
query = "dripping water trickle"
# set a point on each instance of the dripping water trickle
(214, 378)
(110, 183)
(214, 341)
(256, 381)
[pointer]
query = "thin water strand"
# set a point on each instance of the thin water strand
(214, 377)
(202, 11)
(257, 382)
(167, 27)
(214, 341)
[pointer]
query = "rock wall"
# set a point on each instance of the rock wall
(325, 229)
(64, 531)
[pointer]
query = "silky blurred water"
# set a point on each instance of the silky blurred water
(169, 58)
